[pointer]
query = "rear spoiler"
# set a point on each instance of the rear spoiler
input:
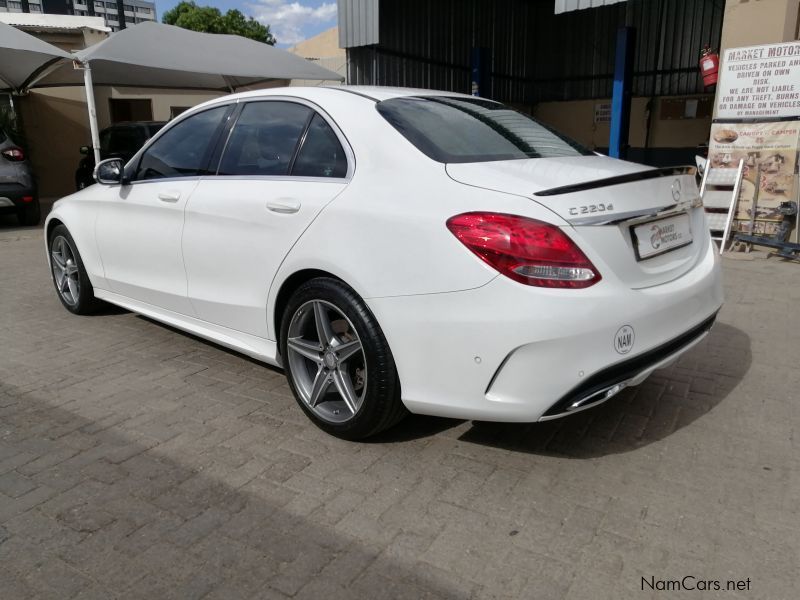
(618, 179)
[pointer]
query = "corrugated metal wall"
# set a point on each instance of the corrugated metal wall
(358, 22)
(563, 6)
(536, 54)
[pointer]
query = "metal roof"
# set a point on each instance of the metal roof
(54, 23)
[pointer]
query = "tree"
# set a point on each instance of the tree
(211, 20)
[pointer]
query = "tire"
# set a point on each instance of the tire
(358, 353)
(78, 299)
(30, 214)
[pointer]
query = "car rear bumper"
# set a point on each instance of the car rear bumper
(607, 383)
(14, 196)
(506, 352)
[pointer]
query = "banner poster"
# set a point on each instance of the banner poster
(774, 147)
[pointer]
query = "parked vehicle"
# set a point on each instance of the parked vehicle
(398, 250)
(18, 194)
(121, 140)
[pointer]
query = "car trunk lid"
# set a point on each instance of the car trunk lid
(645, 225)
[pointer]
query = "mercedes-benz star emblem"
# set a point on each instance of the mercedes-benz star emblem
(676, 190)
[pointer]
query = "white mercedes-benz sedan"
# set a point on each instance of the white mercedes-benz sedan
(398, 250)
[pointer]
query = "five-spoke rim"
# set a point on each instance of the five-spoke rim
(327, 361)
(65, 270)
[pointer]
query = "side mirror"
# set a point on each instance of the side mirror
(84, 150)
(109, 171)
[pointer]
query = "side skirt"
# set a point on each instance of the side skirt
(255, 347)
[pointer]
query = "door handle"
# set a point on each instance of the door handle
(169, 196)
(285, 206)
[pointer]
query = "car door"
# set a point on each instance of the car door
(282, 163)
(138, 229)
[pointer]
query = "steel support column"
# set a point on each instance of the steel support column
(621, 98)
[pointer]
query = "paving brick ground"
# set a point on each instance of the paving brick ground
(139, 462)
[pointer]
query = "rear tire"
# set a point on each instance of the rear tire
(69, 275)
(30, 214)
(341, 372)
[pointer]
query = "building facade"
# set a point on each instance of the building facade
(324, 50)
(117, 13)
(556, 58)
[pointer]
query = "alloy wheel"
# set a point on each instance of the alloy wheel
(327, 361)
(65, 270)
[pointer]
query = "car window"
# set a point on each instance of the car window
(183, 149)
(461, 130)
(122, 141)
(321, 154)
(264, 139)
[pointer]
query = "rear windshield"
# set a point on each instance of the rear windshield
(464, 130)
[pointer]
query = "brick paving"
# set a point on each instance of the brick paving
(139, 462)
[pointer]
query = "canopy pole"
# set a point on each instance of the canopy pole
(89, 88)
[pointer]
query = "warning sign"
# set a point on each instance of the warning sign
(760, 82)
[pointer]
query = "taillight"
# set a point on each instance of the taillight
(526, 250)
(13, 154)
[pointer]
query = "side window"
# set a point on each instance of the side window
(264, 139)
(321, 154)
(183, 150)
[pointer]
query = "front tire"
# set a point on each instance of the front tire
(337, 361)
(69, 275)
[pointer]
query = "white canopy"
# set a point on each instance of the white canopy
(152, 54)
(155, 55)
(23, 57)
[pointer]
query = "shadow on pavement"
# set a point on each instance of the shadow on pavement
(190, 335)
(99, 509)
(414, 427)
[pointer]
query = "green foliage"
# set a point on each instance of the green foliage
(208, 19)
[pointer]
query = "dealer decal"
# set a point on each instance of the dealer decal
(664, 234)
(624, 338)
